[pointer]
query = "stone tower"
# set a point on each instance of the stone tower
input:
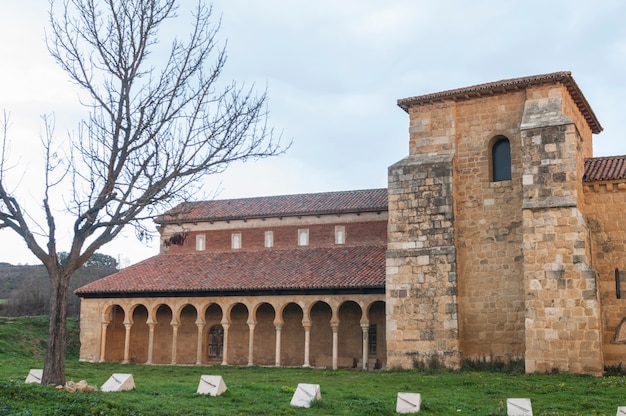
(488, 250)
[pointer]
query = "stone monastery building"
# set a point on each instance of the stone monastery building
(499, 237)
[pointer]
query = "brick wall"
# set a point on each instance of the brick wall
(320, 235)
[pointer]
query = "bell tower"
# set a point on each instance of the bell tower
(488, 250)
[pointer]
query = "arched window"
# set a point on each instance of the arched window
(501, 160)
(216, 341)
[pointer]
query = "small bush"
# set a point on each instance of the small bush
(494, 365)
(432, 365)
(288, 389)
(614, 370)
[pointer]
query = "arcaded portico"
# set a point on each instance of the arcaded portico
(281, 281)
(324, 331)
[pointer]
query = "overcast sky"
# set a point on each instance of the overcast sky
(334, 71)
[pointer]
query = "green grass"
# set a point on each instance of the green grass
(166, 390)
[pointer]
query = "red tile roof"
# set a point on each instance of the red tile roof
(507, 85)
(605, 168)
(350, 267)
(370, 200)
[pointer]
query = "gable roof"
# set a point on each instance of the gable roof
(507, 85)
(369, 200)
(605, 168)
(299, 269)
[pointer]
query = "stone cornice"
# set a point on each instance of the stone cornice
(605, 186)
(506, 86)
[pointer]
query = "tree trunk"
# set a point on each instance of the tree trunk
(54, 364)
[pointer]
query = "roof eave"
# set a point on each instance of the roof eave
(509, 85)
(267, 216)
(238, 292)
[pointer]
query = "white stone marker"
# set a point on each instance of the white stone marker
(119, 382)
(621, 411)
(305, 394)
(408, 403)
(34, 376)
(519, 407)
(211, 385)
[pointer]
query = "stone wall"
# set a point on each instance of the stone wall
(605, 204)
(482, 269)
(563, 316)
(421, 285)
(488, 226)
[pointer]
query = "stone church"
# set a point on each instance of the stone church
(499, 237)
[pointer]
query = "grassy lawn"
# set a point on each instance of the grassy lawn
(166, 390)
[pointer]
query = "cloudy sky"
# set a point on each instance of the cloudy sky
(334, 71)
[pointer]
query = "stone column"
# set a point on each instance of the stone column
(128, 326)
(200, 326)
(335, 328)
(225, 352)
(103, 339)
(365, 328)
(307, 343)
(251, 326)
(278, 332)
(151, 325)
(174, 341)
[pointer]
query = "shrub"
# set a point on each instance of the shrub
(494, 365)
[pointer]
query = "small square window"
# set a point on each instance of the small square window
(340, 234)
(303, 237)
(269, 239)
(201, 242)
(236, 241)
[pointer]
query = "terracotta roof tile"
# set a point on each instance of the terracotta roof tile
(370, 200)
(300, 269)
(605, 168)
(507, 85)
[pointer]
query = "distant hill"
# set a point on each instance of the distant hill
(13, 277)
(25, 289)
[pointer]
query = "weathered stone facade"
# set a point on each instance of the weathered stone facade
(421, 281)
(605, 203)
(472, 253)
(479, 268)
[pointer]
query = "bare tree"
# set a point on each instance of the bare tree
(152, 134)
